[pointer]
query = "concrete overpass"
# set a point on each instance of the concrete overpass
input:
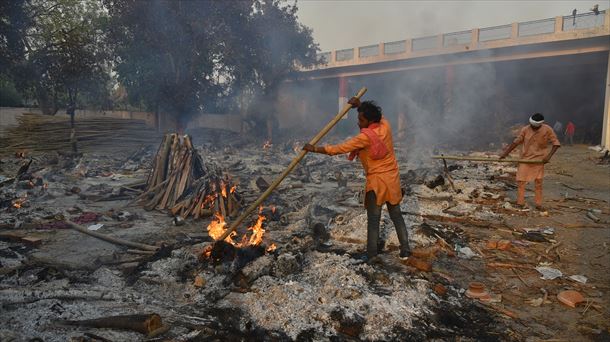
(577, 38)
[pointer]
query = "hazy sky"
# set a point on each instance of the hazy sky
(339, 24)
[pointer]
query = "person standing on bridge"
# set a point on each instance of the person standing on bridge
(375, 149)
(535, 138)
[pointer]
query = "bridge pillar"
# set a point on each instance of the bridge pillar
(342, 92)
(606, 129)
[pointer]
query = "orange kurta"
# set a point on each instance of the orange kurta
(381, 175)
(535, 147)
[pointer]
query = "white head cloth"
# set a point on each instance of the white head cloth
(536, 123)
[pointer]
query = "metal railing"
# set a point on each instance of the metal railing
(457, 38)
(495, 33)
(324, 57)
(536, 27)
(395, 47)
(345, 55)
(424, 43)
(368, 51)
(583, 21)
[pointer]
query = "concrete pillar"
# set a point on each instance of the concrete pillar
(474, 41)
(558, 24)
(514, 33)
(343, 92)
(381, 49)
(439, 41)
(606, 126)
(408, 46)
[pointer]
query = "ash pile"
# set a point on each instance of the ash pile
(293, 272)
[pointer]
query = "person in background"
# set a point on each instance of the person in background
(535, 138)
(558, 127)
(375, 149)
(569, 132)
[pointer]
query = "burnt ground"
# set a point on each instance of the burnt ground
(314, 286)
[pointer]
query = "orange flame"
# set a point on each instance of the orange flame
(233, 188)
(257, 232)
(217, 227)
(267, 144)
(271, 248)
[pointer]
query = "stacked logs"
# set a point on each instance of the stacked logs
(180, 183)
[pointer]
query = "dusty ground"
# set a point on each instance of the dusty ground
(313, 288)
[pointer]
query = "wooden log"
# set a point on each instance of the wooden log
(111, 239)
(486, 159)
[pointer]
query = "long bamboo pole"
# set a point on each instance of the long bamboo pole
(485, 159)
(289, 168)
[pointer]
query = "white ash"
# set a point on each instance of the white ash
(329, 281)
(168, 268)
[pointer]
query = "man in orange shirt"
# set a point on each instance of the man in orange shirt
(535, 138)
(375, 149)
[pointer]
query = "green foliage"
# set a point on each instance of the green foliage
(178, 56)
(184, 56)
(9, 96)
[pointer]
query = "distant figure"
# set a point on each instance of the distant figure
(569, 133)
(574, 17)
(558, 127)
(595, 9)
(535, 138)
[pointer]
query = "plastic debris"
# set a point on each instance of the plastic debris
(549, 273)
(466, 253)
(95, 226)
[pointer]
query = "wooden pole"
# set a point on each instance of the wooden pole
(290, 167)
(485, 159)
(111, 239)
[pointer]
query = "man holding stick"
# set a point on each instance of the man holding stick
(535, 138)
(375, 149)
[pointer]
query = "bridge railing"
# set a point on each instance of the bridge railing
(395, 47)
(471, 38)
(495, 33)
(583, 21)
(457, 38)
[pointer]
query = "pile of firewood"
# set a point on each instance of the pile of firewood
(41, 133)
(181, 183)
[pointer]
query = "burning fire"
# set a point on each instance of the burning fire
(267, 144)
(271, 248)
(223, 190)
(218, 226)
(18, 203)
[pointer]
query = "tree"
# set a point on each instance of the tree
(182, 57)
(58, 50)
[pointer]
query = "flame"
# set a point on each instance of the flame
(217, 227)
(257, 232)
(233, 188)
(224, 192)
(271, 248)
(267, 144)
(18, 203)
(207, 252)
(273, 209)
